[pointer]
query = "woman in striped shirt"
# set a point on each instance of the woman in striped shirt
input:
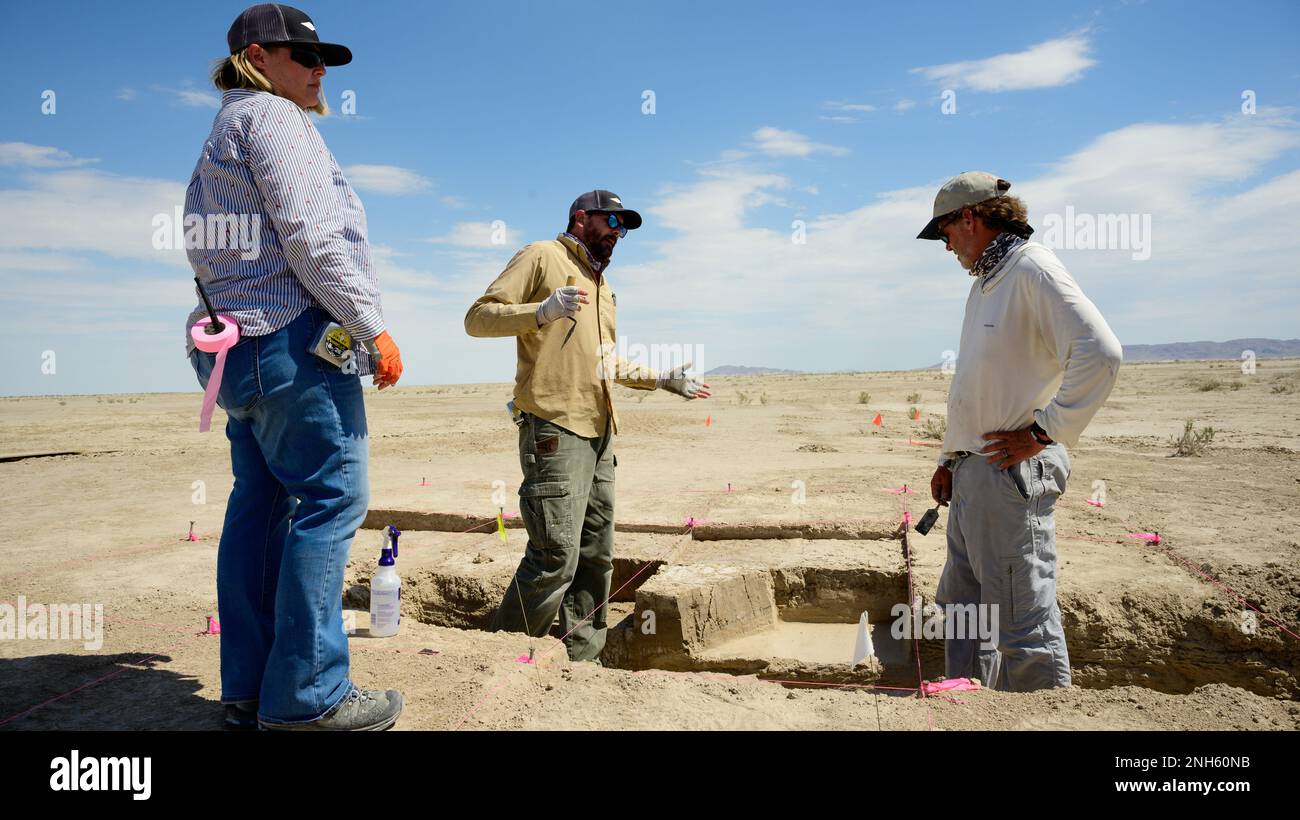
(296, 423)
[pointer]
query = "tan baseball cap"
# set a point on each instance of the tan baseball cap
(963, 191)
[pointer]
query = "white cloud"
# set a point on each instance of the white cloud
(834, 105)
(1046, 65)
(861, 290)
(778, 143)
(386, 179)
(127, 94)
(195, 98)
(26, 155)
(473, 235)
(80, 210)
(454, 202)
(904, 105)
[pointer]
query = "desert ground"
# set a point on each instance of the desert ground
(754, 528)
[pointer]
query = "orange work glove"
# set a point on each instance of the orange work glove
(388, 366)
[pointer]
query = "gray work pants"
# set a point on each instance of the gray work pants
(1002, 552)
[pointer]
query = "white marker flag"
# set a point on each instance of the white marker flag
(864, 649)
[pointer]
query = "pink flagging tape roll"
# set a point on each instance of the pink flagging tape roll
(217, 343)
(951, 685)
(1149, 537)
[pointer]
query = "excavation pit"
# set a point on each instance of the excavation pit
(788, 610)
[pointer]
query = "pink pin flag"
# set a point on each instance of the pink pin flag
(214, 628)
(899, 490)
(1095, 503)
(1149, 537)
(525, 659)
(907, 519)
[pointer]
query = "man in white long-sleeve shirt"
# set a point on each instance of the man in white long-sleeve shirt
(1036, 362)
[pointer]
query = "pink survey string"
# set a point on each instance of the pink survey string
(218, 343)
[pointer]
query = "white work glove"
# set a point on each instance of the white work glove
(676, 381)
(563, 301)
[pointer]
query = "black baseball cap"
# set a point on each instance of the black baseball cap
(274, 24)
(605, 202)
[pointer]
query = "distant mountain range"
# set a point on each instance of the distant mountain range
(1182, 351)
(740, 370)
(1231, 349)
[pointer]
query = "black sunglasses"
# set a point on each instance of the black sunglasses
(948, 223)
(306, 57)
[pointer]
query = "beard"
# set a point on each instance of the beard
(603, 250)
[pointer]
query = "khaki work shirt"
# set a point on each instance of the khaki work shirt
(565, 382)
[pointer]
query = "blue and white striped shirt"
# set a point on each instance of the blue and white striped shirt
(266, 163)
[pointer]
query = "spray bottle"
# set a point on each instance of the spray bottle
(386, 589)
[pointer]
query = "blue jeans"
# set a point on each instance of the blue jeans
(298, 450)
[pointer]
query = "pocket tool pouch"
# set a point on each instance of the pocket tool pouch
(332, 344)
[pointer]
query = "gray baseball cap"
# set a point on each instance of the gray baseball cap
(963, 191)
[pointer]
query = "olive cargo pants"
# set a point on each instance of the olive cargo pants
(566, 501)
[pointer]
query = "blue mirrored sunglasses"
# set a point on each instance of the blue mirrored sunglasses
(617, 224)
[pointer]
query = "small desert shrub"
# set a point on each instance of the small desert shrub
(762, 398)
(864, 397)
(1285, 382)
(914, 398)
(743, 398)
(1193, 442)
(1209, 385)
(936, 427)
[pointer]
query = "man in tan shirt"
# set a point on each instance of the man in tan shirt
(564, 409)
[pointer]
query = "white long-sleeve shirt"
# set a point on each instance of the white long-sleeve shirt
(1033, 348)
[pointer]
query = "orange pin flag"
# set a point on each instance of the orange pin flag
(917, 415)
(708, 421)
(879, 422)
